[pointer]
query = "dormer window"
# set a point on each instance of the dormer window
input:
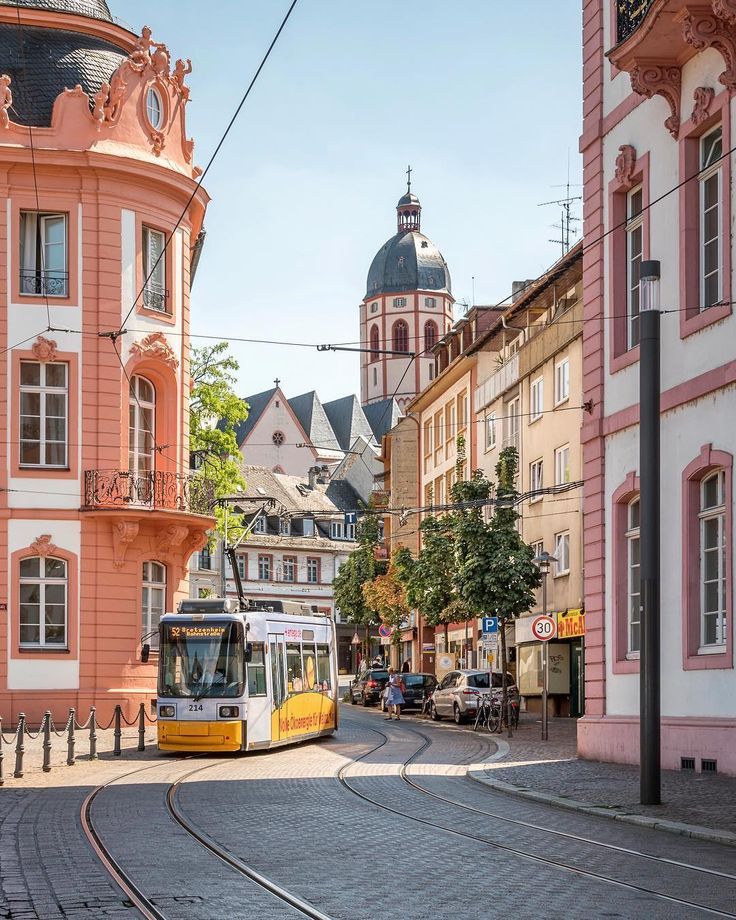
(154, 108)
(260, 524)
(308, 527)
(285, 527)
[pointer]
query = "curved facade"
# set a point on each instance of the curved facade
(407, 309)
(98, 513)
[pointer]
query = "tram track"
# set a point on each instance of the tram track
(135, 893)
(524, 854)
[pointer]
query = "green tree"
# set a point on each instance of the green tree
(386, 596)
(214, 412)
(360, 568)
(495, 573)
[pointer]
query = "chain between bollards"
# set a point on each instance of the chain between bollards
(92, 733)
(47, 742)
(71, 740)
(19, 747)
(142, 727)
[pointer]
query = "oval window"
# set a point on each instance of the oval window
(154, 108)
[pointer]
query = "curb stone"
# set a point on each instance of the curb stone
(613, 812)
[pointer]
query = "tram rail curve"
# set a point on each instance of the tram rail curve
(147, 908)
(516, 851)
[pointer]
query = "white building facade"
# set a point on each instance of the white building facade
(658, 125)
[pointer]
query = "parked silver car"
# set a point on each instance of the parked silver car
(458, 693)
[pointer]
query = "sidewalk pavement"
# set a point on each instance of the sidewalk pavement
(693, 804)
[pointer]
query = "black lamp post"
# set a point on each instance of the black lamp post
(543, 561)
(649, 477)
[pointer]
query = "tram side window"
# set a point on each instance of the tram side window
(294, 677)
(310, 666)
(257, 671)
(323, 667)
(277, 675)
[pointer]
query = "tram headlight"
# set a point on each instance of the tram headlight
(229, 712)
(166, 712)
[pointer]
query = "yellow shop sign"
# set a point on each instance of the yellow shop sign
(570, 624)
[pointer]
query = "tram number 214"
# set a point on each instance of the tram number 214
(195, 707)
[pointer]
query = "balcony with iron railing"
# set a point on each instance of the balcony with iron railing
(147, 490)
(46, 283)
(629, 16)
(492, 387)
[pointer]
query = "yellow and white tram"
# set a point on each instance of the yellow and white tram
(243, 677)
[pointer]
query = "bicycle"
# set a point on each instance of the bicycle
(488, 715)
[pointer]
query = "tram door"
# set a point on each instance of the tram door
(278, 681)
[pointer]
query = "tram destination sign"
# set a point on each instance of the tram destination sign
(197, 631)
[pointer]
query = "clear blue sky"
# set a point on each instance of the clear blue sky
(483, 98)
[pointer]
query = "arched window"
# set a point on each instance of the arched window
(375, 343)
(154, 597)
(430, 335)
(141, 425)
(401, 336)
(154, 108)
(43, 602)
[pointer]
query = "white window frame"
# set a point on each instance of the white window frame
(155, 295)
(537, 547)
(265, 567)
(562, 381)
(312, 570)
(156, 122)
(512, 423)
(430, 302)
(536, 399)
(241, 566)
(634, 257)
(708, 171)
(374, 307)
(562, 553)
(42, 581)
(34, 230)
(351, 531)
(563, 474)
(308, 529)
(337, 530)
(141, 460)
(293, 564)
(399, 302)
(44, 391)
(536, 479)
(153, 586)
(491, 431)
(633, 579)
(260, 524)
(706, 515)
(284, 527)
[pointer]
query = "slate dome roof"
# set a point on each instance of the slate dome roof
(408, 261)
(51, 60)
(94, 9)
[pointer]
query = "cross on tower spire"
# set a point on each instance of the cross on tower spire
(408, 178)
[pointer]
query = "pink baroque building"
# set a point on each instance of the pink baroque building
(659, 80)
(407, 309)
(98, 515)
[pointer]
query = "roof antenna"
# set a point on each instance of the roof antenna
(566, 218)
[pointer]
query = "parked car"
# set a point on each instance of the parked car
(368, 687)
(458, 693)
(418, 686)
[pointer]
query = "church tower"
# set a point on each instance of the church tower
(406, 309)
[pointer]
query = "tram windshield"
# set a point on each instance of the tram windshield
(200, 659)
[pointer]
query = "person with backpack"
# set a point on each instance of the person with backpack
(394, 695)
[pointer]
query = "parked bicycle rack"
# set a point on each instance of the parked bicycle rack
(48, 731)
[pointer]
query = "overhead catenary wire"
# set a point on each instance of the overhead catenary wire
(211, 160)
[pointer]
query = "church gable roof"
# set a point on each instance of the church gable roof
(312, 417)
(257, 405)
(382, 416)
(348, 420)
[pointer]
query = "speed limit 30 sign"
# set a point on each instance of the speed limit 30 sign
(544, 628)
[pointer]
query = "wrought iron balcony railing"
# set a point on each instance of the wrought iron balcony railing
(154, 490)
(629, 15)
(155, 297)
(44, 283)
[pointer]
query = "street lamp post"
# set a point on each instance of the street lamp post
(543, 561)
(649, 478)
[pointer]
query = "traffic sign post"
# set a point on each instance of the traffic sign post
(544, 628)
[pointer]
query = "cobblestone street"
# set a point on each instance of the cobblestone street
(380, 819)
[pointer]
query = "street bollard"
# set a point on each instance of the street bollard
(118, 730)
(2, 754)
(19, 748)
(142, 728)
(71, 740)
(47, 742)
(92, 733)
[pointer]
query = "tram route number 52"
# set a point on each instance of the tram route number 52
(544, 628)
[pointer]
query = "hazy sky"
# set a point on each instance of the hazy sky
(483, 98)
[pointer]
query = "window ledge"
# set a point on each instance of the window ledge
(561, 574)
(712, 649)
(43, 467)
(625, 359)
(703, 319)
(535, 418)
(42, 650)
(562, 402)
(633, 656)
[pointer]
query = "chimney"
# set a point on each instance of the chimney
(518, 288)
(313, 473)
(324, 475)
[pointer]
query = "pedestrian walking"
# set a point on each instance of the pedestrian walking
(394, 695)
